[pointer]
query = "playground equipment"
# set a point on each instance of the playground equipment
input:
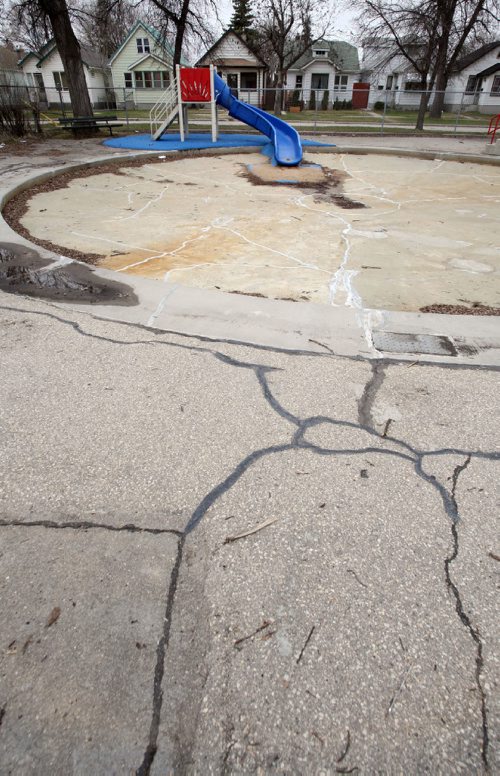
(194, 85)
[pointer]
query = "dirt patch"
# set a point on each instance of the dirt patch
(460, 309)
(327, 185)
(23, 271)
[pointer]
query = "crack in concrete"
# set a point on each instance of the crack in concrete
(462, 614)
(367, 400)
(85, 525)
(298, 442)
(393, 361)
(161, 651)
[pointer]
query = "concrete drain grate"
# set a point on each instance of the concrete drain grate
(430, 344)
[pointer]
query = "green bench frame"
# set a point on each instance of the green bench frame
(89, 122)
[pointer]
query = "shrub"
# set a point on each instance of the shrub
(324, 100)
(312, 100)
(379, 105)
(295, 101)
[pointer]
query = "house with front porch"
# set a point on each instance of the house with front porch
(142, 67)
(475, 82)
(239, 65)
(328, 65)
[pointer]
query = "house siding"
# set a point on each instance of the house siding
(321, 66)
(96, 82)
(484, 101)
(380, 65)
(231, 47)
(123, 62)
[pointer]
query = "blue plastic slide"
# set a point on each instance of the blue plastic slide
(285, 139)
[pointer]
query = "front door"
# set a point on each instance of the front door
(40, 87)
(232, 82)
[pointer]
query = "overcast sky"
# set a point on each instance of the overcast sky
(342, 19)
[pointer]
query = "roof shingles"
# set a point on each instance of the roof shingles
(343, 55)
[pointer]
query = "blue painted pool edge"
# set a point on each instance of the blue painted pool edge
(196, 141)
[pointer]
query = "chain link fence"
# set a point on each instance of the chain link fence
(357, 110)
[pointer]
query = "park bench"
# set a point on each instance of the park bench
(90, 122)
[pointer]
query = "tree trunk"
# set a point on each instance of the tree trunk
(438, 101)
(69, 51)
(441, 78)
(278, 95)
(180, 32)
(422, 108)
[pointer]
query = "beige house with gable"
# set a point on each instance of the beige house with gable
(142, 67)
(239, 65)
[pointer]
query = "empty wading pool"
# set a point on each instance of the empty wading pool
(369, 231)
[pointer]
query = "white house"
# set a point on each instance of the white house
(475, 83)
(390, 74)
(142, 67)
(45, 70)
(239, 65)
(329, 65)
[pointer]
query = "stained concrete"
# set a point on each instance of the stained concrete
(426, 231)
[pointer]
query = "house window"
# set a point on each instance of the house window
(156, 79)
(142, 45)
(415, 86)
(320, 53)
(388, 83)
(471, 84)
(340, 83)
(128, 80)
(60, 80)
(495, 86)
(248, 80)
(298, 82)
(319, 81)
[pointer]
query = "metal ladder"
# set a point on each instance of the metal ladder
(164, 112)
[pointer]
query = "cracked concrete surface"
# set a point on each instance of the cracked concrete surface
(426, 231)
(267, 575)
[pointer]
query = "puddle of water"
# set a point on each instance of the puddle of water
(23, 271)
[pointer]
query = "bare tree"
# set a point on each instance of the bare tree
(406, 29)
(431, 35)
(459, 22)
(31, 30)
(284, 30)
(187, 21)
(104, 24)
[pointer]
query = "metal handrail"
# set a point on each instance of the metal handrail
(160, 111)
